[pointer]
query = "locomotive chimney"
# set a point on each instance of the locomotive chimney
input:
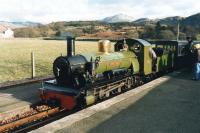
(70, 46)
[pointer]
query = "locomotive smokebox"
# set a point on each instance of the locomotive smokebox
(70, 46)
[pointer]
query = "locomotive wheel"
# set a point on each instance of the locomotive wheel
(119, 90)
(129, 83)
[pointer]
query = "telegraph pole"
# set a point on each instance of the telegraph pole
(178, 30)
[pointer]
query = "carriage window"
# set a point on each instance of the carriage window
(181, 50)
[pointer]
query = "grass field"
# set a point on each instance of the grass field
(15, 56)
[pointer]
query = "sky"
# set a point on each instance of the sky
(47, 11)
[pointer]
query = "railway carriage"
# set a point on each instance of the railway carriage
(178, 49)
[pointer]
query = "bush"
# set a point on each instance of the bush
(182, 36)
(27, 33)
(90, 30)
(132, 34)
(166, 34)
(148, 33)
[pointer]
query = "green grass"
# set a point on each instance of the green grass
(15, 56)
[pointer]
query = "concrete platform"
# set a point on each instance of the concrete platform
(17, 99)
(168, 104)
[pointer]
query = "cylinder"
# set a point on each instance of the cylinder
(70, 46)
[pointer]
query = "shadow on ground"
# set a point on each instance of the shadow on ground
(173, 107)
(20, 96)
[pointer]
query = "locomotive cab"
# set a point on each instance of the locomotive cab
(142, 50)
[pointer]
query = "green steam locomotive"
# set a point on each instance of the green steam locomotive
(86, 78)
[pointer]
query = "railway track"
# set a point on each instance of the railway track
(40, 123)
(36, 116)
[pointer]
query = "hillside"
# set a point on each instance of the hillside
(114, 26)
(171, 20)
(14, 25)
(85, 29)
(145, 21)
(193, 20)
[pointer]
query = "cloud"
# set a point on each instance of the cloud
(46, 11)
(43, 10)
(150, 8)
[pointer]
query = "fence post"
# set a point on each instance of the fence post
(32, 65)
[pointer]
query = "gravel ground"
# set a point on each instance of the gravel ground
(172, 107)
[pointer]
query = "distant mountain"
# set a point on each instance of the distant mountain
(14, 25)
(193, 20)
(118, 18)
(8, 25)
(26, 24)
(144, 21)
(171, 20)
(165, 21)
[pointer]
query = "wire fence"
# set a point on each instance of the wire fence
(24, 58)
